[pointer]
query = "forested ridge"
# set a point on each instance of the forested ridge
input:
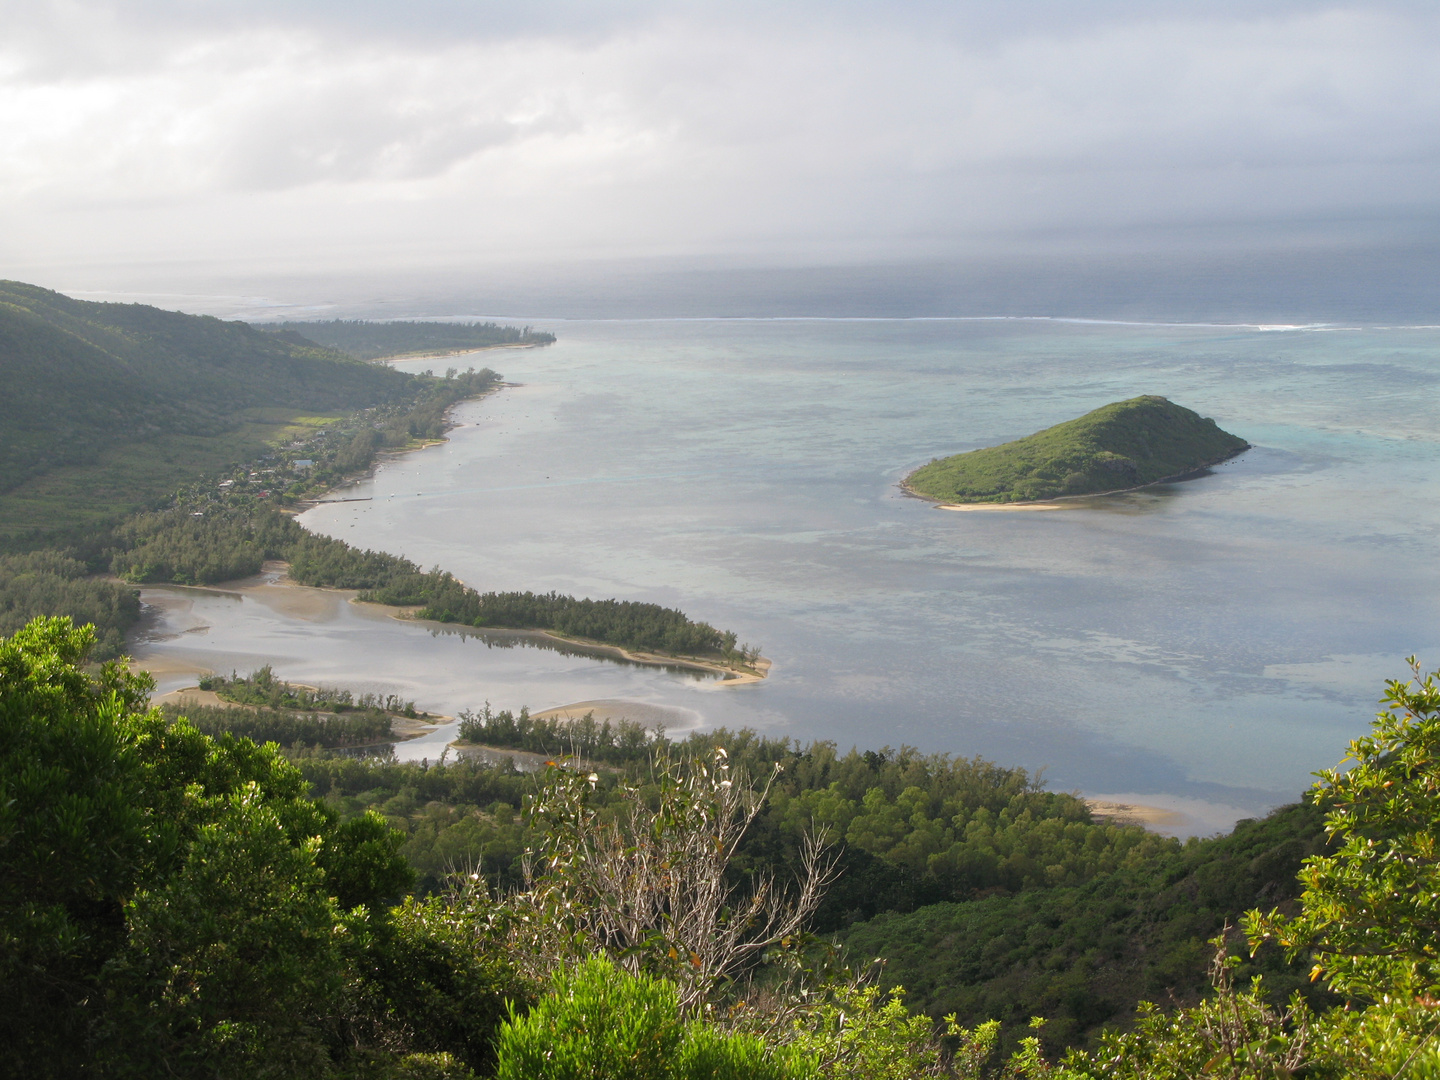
(182, 904)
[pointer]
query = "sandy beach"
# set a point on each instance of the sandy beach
(1009, 506)
(616, 709)
(1156, 818)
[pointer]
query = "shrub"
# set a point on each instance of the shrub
(600, 1023)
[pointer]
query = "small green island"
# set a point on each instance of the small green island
(1124, 445)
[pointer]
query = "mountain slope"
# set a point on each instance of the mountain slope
(76, 377)
(1123, 445)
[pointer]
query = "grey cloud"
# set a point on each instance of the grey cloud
(843, 126)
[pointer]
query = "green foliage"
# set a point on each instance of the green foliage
(231, 965)
(598, 1022)
(862, 1033)
(194, 548)
(1390, 1039)
(173, 904)
(288, 729)
(52, 583)
(374, 340)
(613, 743)
(1371, 909)
(991, 939)
(438, 981)
(73, 835)
(461, 815)
(614, 622)
(1235, 1035)
(261, 687)
(1082, 956)
(1123, 445)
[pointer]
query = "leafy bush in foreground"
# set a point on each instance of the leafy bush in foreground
(599, 1021)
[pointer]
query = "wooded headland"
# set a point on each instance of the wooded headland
(367, 340)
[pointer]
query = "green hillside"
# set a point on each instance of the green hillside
(106, 407)
(1123, 445)
(374, 340)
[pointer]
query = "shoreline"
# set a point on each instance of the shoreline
(1067, 502)
(727, 676)
(382, 456)
(1150, 818)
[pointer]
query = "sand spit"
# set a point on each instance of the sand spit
(615, 709)
(309, 603)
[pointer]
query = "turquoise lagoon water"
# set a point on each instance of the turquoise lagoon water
(1202, 645)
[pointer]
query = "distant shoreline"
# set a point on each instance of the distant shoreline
(441, 354)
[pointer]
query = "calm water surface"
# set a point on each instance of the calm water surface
(1203, 645)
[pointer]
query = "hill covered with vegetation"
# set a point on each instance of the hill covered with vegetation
(1123, 445)
(377, 340)
(105, 408)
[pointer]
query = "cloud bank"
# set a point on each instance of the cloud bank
(389, 134)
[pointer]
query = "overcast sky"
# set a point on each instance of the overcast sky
(392, 133)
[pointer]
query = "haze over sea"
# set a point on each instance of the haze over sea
(1202, 645)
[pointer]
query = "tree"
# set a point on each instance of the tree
(173, 904)
(647, 881)
(74, 837)
(1371, 910)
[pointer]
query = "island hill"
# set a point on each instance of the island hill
(1125, 445)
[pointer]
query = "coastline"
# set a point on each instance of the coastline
(299, 601)
(728, 676)
(382, 456)
(1067, 502)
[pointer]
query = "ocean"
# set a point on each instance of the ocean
(1202, 646)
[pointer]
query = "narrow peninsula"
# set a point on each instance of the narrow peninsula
(1124, 445)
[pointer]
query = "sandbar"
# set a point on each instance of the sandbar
(1156, 818)
(613, 709)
